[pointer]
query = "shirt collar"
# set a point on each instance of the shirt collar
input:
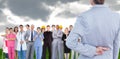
(100, 6)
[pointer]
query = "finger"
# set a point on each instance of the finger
(105, 49)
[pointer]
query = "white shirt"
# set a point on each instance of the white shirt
(5, 48)
(21, 37)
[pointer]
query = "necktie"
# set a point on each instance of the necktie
(31, 35)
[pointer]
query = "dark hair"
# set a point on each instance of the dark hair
(7, 27)
(99, 1)
(48, 25)
(10, 28)
(38, 27)
(53, 25)
(15, 28)
(20, 25)
(28, 25)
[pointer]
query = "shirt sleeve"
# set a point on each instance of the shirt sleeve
(42, 36)
(116, 44)
(79, 30)
(54, 35)
(116, 47)
(60, 34)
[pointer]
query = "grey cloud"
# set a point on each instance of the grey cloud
(66, 14)
(112, 3)
(2, 3)
(115, 7)
(53, 2)
(33, 8)
(106, 1)
(6, 25)
(2, 17)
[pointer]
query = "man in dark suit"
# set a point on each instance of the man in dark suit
(47, 42)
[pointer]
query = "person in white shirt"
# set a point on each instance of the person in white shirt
(21, 44)
(5, 48)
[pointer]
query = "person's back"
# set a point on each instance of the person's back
(98, 27)
(103, 27)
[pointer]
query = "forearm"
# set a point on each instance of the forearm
(84, 49)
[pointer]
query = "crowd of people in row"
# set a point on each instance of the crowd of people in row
(21, 44)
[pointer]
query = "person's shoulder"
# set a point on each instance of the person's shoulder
(84, 14)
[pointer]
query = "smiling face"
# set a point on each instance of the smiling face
(57, 27)
(38, 29)
(11, 30)
(21, 28)
(7, 31)
(32, 27)
(66, 31)
(48, 28)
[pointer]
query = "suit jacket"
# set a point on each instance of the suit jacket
(98, 26)
(57, 35)
(48, 37)
(28, 35)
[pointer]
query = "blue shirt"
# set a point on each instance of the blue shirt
(38, 39)
(98, 26)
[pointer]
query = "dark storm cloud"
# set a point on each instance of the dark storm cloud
(33, 8)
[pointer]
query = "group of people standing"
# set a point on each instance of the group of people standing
(21, 44)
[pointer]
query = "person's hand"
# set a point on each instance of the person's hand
(101, 50)
(26, 40)
(21, 42)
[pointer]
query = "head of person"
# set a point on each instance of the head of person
(38, 29)
(66, 31)
(57, 27)
(48, 27)
(11, 30)
(16, 29)
(27, 26)
(53, 27)
(43, 28)
(97, 2)
(60, 27)
(32, 27)
(70, 27)
(21, 27)
(7, 30)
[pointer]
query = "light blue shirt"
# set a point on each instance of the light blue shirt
(98, 26)
(38, 39)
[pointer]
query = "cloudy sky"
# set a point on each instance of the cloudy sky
(43, 12)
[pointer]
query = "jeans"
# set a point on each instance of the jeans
(22, 54)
